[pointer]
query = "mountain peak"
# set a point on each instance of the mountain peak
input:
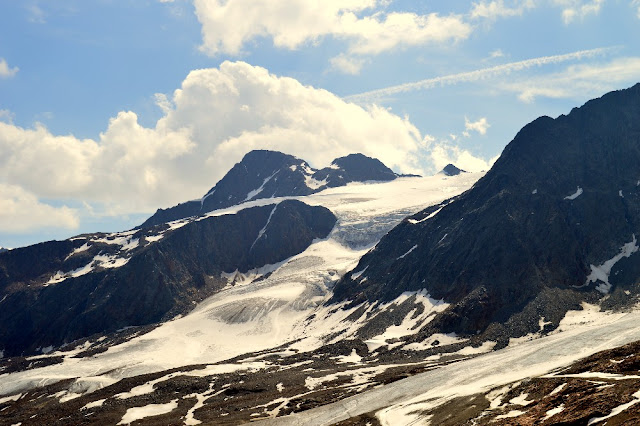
(267, 174)
(451, 170)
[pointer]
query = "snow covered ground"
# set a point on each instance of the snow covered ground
(581, 333)
(251, 316)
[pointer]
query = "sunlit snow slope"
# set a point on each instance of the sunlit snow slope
(249, 315)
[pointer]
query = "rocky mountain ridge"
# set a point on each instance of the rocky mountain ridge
(554, 223)
(270, 174)
(60, 291)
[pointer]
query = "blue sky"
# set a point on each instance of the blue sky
(110, 109)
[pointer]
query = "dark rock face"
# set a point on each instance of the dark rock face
(260, 174)
(521, 243)
(354, 168)
(451, 170)
(163, 274)
(268, 174)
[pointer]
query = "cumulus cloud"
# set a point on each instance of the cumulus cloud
(578, 9)
(6, 71)
(228, 26)
(578, 81)
(210, 122)
(21, 211)
(479, 126)
(492, 10)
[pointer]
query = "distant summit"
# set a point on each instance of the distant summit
(354, 168)
(268, 174)
(451, 170)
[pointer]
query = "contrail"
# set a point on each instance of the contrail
(478, 74)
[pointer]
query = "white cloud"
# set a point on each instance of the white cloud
(216, 116)
(6, 71)
(228, 26)
(497, 53)
(163, 102)
(495, 9)
(479, 126)
(476, 75)
(578, 81)
(578, 9)
(20, 211)
(347, 64)
(636, 4)
(444, 153)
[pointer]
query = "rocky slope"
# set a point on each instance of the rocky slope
(554, 223)
(56, 292)
(269, 174)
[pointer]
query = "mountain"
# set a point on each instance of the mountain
(491, 305)
(268, 174)
(2, 249)
(264, 338)
(553, 224)
(60, 291)
(451, 170)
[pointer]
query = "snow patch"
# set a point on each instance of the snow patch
(512, 413)
(10, 398)
(558, 389)
(574, 195)
(521, 400)
(410, 250)
(601, 272)
(94, 404)
(437, 339)
(534, 192)
(542, 323)
(313, 183)
(113, 261)
(206, 196)
(137, 413)
(261, 233)
(553, 412)
(619, 409)
(358, 274)
(80, 249)
(354, 358)
(257, 191)
(413, 221)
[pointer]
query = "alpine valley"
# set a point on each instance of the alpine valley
(350, 295)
